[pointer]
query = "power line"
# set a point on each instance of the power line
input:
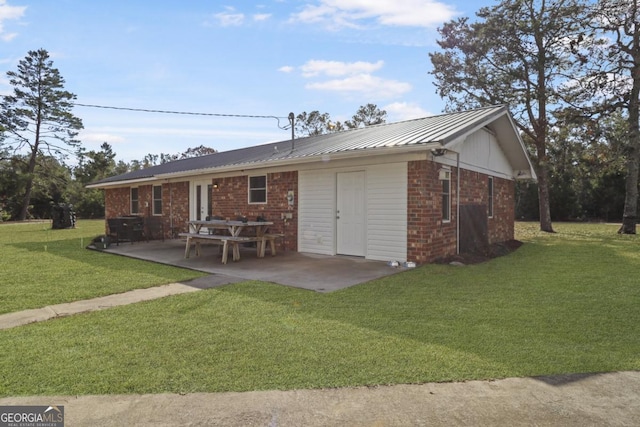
(185, 113)
(145, 110)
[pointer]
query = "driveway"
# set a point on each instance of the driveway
(319, 273)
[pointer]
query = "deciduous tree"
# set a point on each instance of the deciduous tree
(516, 53)
(611, 52)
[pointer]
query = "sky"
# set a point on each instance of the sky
(264, 58)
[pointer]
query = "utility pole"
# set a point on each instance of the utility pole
(292, 119)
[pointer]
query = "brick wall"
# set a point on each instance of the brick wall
(429, 237)
(175, 204)
(501, 226)
(175, 196)
(117, 202)
(475, 190)
(231, 200)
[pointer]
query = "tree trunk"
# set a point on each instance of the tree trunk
(26, 200)
(543, 200)
(543, 177)
(633, 159)
(631, 195)
(631, 183)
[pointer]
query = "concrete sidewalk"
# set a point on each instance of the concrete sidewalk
(11, 320)
(573, 400)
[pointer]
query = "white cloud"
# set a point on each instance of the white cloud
(352, 13)
(100, 137)
(286, 69)
(399, 111)
(365, 84)
(350, 77)
(230, 18)
(8, 37)
(259, 17)
(336, 68)
(9, 12)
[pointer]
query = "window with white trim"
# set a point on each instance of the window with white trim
(490, 197)
(258, 189)
(157, 199)
(135, 201)
(446, 197)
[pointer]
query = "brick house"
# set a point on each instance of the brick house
(415, 190)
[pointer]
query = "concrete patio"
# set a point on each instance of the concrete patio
(319, 273)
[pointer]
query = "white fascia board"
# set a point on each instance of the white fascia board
(373, 152)
(530, 173)
(126, 183)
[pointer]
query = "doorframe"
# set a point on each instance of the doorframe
(363, 173)
(193, 204)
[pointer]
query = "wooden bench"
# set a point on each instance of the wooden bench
(271, 238)
(224, 241)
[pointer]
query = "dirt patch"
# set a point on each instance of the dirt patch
(495, 250)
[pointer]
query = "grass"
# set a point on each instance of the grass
(42, 266)
(562, 303)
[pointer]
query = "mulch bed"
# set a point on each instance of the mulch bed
(494, 251)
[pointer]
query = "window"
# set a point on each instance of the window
(157, 199)
(490, 201)
(446, 199)
(135, 204)
(258, 189)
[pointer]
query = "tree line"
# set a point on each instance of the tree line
(569, 70)
(38, 135)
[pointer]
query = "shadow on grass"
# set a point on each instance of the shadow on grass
(562, 380)
(543, 310)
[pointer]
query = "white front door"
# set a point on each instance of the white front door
(351, 214)
(201, 205)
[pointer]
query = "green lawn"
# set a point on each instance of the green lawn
(42, 266)
(562, 303)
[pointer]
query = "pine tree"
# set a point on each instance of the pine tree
(37, 117)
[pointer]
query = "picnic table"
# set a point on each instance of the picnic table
(229, 233)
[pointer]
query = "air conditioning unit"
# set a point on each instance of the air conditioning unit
(444, 174)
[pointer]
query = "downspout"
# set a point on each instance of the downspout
(457, 203)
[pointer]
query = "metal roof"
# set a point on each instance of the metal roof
(439, 130)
